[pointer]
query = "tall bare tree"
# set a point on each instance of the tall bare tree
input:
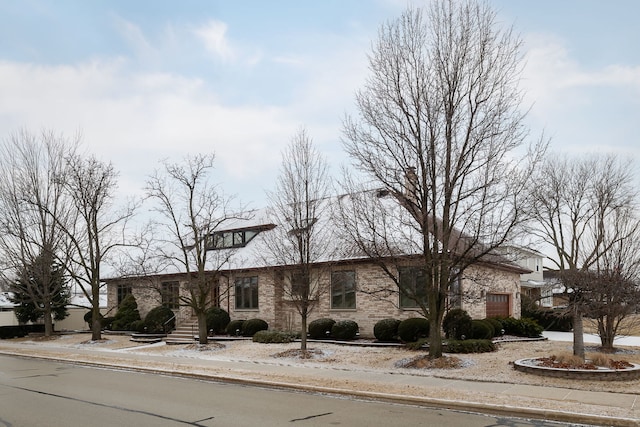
(191, 210)
(99, 229)
(301, 241)
(584, 209)
(438, 126)
(32, 196)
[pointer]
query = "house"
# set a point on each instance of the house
(250, 287)
(533, 284)
(77, 308)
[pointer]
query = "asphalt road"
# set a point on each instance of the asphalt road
(37, 393)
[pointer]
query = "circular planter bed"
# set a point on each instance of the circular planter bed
(545, 366)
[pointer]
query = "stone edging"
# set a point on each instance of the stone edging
(579, 374)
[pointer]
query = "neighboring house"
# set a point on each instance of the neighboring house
(76, 309)
(532, 284)
(247, 288)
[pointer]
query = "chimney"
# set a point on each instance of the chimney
(410, 183)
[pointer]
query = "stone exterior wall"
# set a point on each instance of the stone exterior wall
(281, 314)
(478, 281)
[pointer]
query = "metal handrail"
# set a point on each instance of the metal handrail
(164, 325)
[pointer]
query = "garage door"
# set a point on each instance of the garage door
(498, 305)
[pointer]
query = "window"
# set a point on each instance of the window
(343, 289)
(455, 293)
(171, 294)
(246, 293)
(232, 239)
(299, 285)
(413, 287)
(123, 291)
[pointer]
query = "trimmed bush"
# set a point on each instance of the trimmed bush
(159, 320)
(523, 327)
(497, 326)
(251, 326)
(456, 323)
(470, 346)
(481, 330)
(234, 328)
(87, 318)
(411, 330)
(217, 320)
(127, 313)
(320, 329)
(344, 330)
(386, 330)
(549, 319)
(138, 326)
(12, 331)
(272, 337)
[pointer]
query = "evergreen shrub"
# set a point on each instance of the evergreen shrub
(470, 346)
(320, 328)
(522, 327)
(481, 330)
(217, 320)
(234, 327)
(272, 337)
(497, 326)
(386, 330)
(344, 330)
(159, 320)
(411, 330)
(127, 313)
(456, 323)
(251, 326)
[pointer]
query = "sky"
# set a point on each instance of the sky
(145, 80)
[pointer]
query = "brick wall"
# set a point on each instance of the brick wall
(372, 304)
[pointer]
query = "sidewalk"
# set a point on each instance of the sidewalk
(549, 403)
(591, 338)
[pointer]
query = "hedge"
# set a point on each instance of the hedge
(386, 330)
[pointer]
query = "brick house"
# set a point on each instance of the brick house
(247, 288)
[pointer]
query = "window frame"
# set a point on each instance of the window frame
(409, 302)
(343, 291)
(246, 293)
(170, 294)
(121, 292)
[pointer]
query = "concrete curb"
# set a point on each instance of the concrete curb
(505, 410)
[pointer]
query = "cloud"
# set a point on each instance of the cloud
(134, 37)
(213, 35)
(584, 108)
(136, 119)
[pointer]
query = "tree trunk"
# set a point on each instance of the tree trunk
(578, 334)
(607, 334)
(96, 323)
(303, 333)
(48, 322)
(202, 327)
(435, 339)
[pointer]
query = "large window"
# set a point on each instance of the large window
(413, 287)
(171, 294)
(123, 291)
(246, 293)
(231, 239)
(343, 289)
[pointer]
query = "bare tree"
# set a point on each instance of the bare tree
(300, 242)
(192, 209)
(32, 196)
(584, 209)
(98, 230)
(438, 124)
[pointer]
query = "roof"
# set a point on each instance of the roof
(335, 246)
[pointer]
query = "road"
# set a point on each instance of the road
(40, 393)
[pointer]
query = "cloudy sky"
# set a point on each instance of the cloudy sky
(149, 80)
